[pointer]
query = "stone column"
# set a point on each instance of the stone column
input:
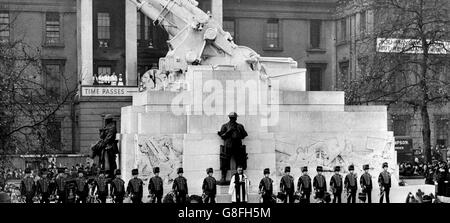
(85, 41)
(131, 44)
(217, 10)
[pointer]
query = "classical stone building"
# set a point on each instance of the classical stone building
(98, 38)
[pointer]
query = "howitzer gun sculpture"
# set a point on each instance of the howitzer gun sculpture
(197, 39)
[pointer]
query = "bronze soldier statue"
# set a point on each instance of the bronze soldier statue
(232, 133)
(106, 148)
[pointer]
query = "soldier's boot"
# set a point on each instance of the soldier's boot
(223, 180)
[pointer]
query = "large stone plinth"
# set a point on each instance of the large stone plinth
(306, 129)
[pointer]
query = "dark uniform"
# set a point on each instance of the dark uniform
(180, 187)
(82, 188)
(43, 188)
(287, 186)
(102, 187)
(28, 187)
(155, 187)
(209, 187)
(304, 186)
(351, 185)
(232, 133)
(320, 184)
(135, 188)
(366, 184)
(118, 188)
(336, 184)
(60, 182)
(71, 189)
(384, 180)
(266, 188)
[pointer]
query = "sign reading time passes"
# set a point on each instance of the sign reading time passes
(107, 91)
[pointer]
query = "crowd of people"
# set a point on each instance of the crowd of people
(90, 184)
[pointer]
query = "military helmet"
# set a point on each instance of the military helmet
(366, 167)
(287, 169)
(233, 115)
(109, 117)
(351, 167)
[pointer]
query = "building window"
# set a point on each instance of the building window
(400, 125)
(230, 26)
(442, 130)
(54, 134)
(363, 23)
(344, 74)
(53, 79)
(315, 27)
(342, 27)
(4, 27)
(52, 28)
(145, 31)
(103, 29)
(315, 78)
(273, 34)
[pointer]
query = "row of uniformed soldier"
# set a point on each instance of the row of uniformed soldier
(71, 189)
(319, 185)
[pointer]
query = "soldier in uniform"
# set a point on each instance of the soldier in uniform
(336, 185)
(118, 188)
(366, 183)
(60, 183)
(180, 187)
(351, 185)
(135, 187)
(320, 184)
(102, 187)
(71, 188)
(209, 187)
(304, 186)
(43, 187)
(287, 185)
(27, 186)
(384, 180)
(232, 133)
(82, 187)
(155, 186)
(266, 187)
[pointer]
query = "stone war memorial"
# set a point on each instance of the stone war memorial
(205, 76)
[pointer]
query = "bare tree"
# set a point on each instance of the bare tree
(29, 104)
(409, 70)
